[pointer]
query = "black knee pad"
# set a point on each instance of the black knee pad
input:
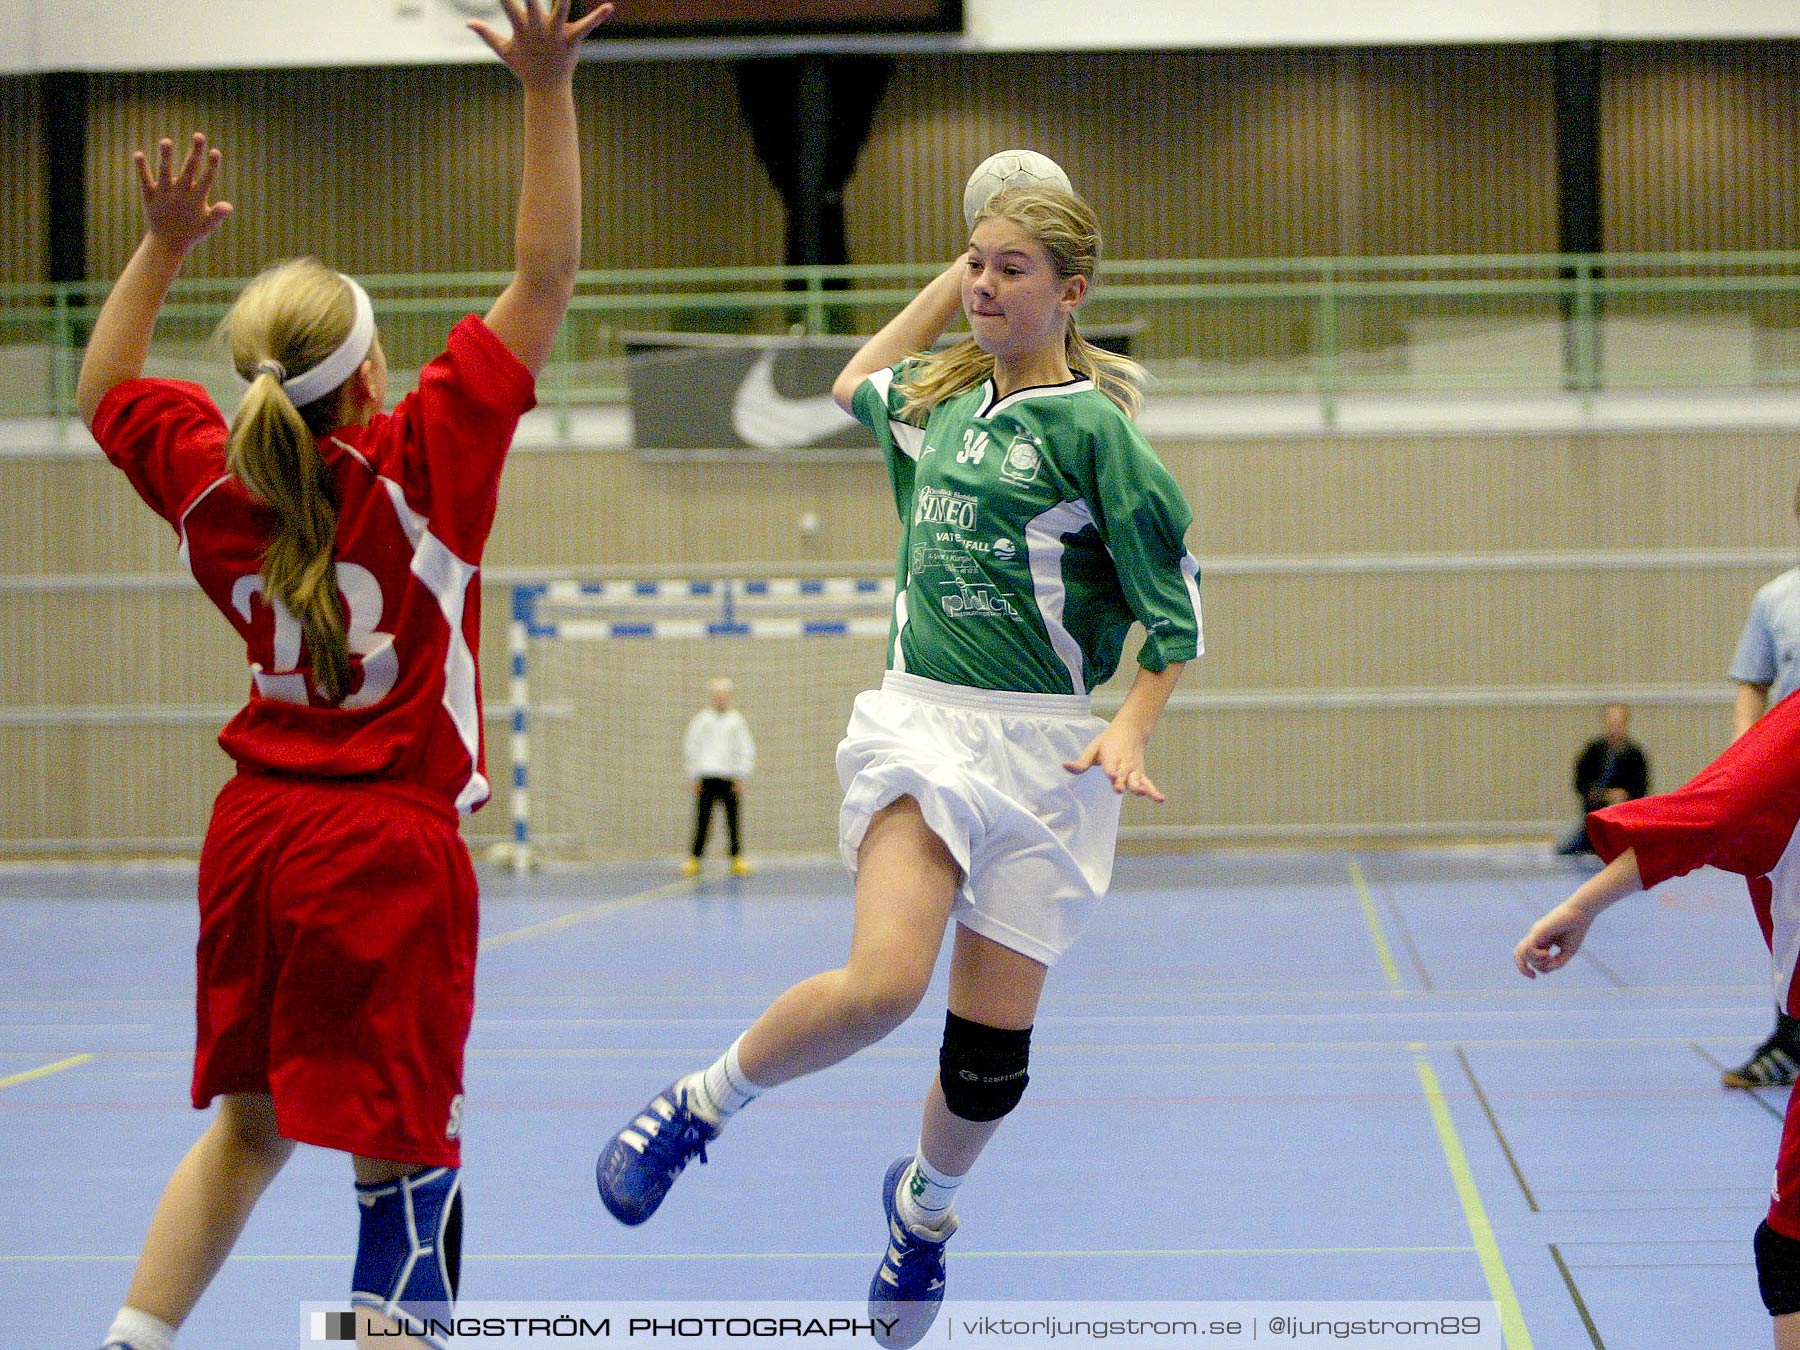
(982, 1068)
(1778, 1270)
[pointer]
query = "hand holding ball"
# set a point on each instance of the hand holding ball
(1010, 169)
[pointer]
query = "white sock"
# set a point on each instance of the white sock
(721, 1090)
(926, 1193)
(140, 1331)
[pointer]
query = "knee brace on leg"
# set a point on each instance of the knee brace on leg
(982, 1068)
(409, 1254)
(1778, 1270)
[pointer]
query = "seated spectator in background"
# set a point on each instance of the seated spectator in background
(1610, 769)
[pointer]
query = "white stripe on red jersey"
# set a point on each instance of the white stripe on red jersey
(416, 491)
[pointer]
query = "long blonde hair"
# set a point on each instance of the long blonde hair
(1067, 229)
(286, 321)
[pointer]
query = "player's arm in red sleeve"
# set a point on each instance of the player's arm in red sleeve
(177, 217)
(167, 437)
(1736, 814)
(542, 51)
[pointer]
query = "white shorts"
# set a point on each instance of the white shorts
(1034, 841)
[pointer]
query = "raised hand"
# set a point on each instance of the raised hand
(175, 206)
(177, 216)
(544, 45)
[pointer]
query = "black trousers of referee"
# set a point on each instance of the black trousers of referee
(715, 790)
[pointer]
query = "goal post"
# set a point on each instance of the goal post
(605, 676)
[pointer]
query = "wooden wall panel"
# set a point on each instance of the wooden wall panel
(1231, 774)
(1231, 155)
(1228, 154)
(1225, 154)
(1186, 153)
(1697, 146)
(153, 784)
(77, 515)
(416, 169)
(23, 224)
(1397, 774)
(1300, 633)
(1475, 493)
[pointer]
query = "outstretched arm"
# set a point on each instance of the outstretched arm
(542, 52)
(1554, 939)
(913, 329)
(177, 217)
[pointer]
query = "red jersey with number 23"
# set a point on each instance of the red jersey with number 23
(416, 490)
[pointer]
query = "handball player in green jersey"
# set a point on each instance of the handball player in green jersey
(1036, 527)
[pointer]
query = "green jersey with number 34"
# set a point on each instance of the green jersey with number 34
(1034, 530)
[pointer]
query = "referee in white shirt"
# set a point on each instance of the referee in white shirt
(720, 754)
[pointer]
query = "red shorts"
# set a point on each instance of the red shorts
(1776, 899)
(337, 964)
(1784, 1196)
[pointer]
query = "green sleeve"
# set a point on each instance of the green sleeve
(876, 404)
(1143, 519)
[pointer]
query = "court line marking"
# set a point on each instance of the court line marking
(804, 1256)
(1754, 1094)
(44, 1070)
(1383, 1012)
(1762, 1190)
(1373, 921)
(1457, 998)
(1512, 1160)
(599, 911)
(1319, 1049)
(1656, 1242)
(998, 1255)
(1412, 948)
(1669, 1265)
(1723, 1206)
(1487, 1247)
(1581, 1307)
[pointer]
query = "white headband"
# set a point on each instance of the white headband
(311, 385)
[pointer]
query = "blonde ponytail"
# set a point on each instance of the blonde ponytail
(288, 320)
(1118, 377)
(939, 376)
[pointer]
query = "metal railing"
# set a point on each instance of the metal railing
(1321, 327)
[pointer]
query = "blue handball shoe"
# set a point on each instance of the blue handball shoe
(908, 1290)
(637, 1168)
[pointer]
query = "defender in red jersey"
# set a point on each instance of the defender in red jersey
(1740, 814)
(343, 543)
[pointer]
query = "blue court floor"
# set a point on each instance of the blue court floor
(1259, 1077)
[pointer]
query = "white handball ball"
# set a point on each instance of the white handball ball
(1010, 169)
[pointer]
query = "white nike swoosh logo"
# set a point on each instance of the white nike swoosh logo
(765, 419)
